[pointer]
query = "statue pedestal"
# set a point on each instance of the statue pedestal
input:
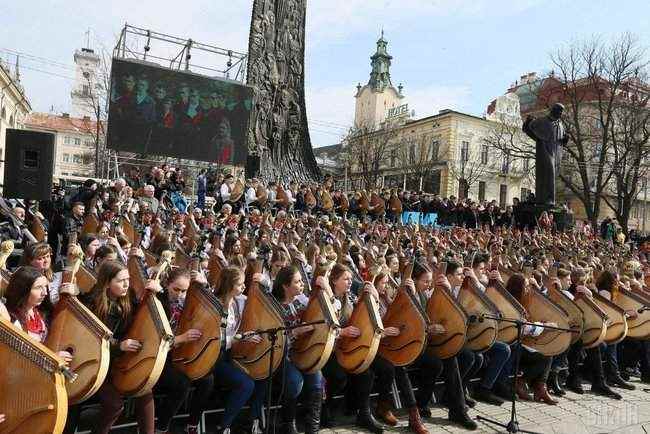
(527, 214)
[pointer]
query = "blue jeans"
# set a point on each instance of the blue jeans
(496, 357)
(242, 387)
(295, 381)
(611, 359)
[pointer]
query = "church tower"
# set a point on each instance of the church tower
(379, 99)
(85, 88)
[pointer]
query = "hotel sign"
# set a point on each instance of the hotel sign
(398, 111)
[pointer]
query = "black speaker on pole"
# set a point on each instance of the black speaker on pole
(29, 164)
(252, 168)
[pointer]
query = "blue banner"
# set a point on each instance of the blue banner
(412, 217)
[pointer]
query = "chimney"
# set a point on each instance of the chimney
(65, 115)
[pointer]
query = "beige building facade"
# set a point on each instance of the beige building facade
(74, 143)
(450, 153)
(14, 105)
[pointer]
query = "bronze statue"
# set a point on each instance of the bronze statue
(549, 134)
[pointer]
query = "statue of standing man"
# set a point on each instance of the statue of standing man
(549, 135)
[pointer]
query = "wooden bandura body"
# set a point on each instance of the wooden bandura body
(135, 373)
(91, 224)
(356, 354)
(378, 204)
(33, 398)
(261, 312)
(395, 204)
(237, 191)
(85, 278)
(509, 307)
(639, 327)
(575, 316)
(405, 314)
(442, 308)
(540, 309)
(595, 321)
(310, 351)
(480, 334)
(616, 324)
(327, 201)
(77, 330)
(202, 311)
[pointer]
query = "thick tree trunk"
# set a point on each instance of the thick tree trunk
(278, 131)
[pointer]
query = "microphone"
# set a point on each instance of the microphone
(240, 336)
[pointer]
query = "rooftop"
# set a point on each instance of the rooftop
(60, 123)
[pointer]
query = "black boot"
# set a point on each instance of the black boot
(617, 381)
(604, 390)
(366, 420)
(463, 420)
(554, 384)
(326, 415)
(312, 416)
(289, 416)
(574, 384)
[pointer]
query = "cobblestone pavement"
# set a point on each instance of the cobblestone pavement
(575, 414)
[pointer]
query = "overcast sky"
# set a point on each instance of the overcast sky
(456, 54)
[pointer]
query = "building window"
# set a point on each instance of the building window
(505, 166)
(412, 154)
(77, 141)
(526, 164)
(85, 90)
(76, 158)
(66, 158)
(524, 192)
(503, 195)
(435, 149)
(484, 154)
(4, 113)
(89, 143)
(464, 152)
(481, 191)
(463, 189)
(393, 157)
(67, 140)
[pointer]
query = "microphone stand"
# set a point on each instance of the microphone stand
(513, 425)
(273, 338)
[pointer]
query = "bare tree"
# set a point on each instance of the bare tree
(467, 169)
(593, 79)
(630, 150)
(420, 157)
(508, 144)
(97, 101)
(368, 148)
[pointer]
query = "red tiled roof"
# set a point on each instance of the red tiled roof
(52, 122)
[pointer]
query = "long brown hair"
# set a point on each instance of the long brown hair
(101, 303)
(18, 291)
(346, 307)
(284, 277)
(229, 276)
(516, 285)
(606, 281)
(35, 251)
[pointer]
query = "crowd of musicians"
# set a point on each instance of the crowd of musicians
(127, 295)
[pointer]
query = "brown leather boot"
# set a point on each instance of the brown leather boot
(521, 388)
(415, 423)
(541, 393)
(385, 412)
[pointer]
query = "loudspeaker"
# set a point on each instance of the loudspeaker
(29, 164)
(252, 168)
